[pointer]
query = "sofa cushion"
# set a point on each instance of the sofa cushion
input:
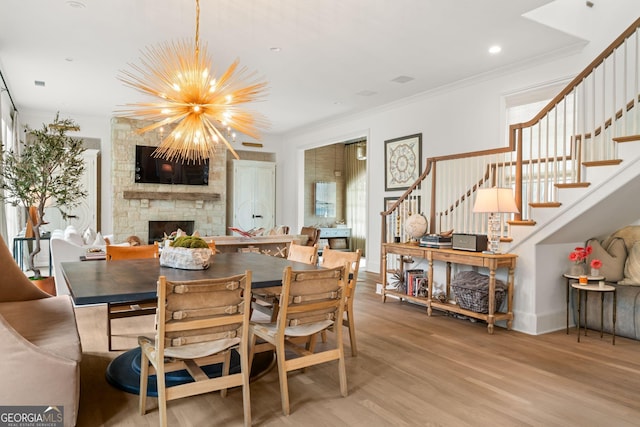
(630, 234)
(89, 236)
(613, 257)
(99, 240)
(72, 235)
(632, 266)
(47, 323)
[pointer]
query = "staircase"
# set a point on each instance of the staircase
(575, 172)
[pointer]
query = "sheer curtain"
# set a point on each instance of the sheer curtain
(9, 136)
(4, 133)
(356, 197)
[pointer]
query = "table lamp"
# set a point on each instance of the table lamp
(494, 201)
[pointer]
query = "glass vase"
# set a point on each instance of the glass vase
(595, 272)
(577, 270)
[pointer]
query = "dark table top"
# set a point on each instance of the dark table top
(94, 282)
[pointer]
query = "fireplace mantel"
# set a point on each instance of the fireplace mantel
(153, 195)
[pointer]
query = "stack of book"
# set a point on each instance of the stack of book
(93, 254)
(416, 282)
(435, 241)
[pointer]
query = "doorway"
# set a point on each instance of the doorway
(343, 164)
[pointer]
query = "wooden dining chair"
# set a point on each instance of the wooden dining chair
(334, 258)
(265, 299)
(121, 310)
(311, 302)
(306, 254)
(199, 323)
(313, 233)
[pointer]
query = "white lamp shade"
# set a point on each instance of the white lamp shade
(495, 200)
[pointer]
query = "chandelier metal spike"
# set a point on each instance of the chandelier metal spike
(204, 111)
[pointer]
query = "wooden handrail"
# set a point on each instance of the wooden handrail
(578, 79)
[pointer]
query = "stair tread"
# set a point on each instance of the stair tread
(611, 162)
(545, 204)
(572, 185)
(525, 222)
(628, 138)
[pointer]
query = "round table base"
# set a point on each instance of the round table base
(124, 371)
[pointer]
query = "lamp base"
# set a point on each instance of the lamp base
(492, 252)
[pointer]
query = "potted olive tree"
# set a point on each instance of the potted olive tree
(46, 172)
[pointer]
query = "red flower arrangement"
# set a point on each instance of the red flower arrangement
(579, 254)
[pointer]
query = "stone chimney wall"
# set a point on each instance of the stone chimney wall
(131, 215)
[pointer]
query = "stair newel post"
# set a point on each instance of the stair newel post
(517, 134)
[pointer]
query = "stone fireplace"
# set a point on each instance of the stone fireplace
(136, 204)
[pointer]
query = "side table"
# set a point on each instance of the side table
(574, 279)
(18, 249)
(602, 289)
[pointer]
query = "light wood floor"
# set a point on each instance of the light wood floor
(411, 370)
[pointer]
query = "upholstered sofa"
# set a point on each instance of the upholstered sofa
(39, 343)
(620, 256)
(69, 245)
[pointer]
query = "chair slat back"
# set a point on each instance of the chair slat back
(306, 254)
(197, 311)
(313, 233)
(114, 253)
(333, 258)
(311, 296)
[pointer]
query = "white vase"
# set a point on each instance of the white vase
(595, 272)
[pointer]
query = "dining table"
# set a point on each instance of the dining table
(100, 282)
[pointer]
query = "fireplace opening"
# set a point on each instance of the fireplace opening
(157, 229)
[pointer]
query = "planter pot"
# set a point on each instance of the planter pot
(185, 258)
(595, 272)
(46, 284)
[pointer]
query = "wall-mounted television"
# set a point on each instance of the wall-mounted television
(155, 170)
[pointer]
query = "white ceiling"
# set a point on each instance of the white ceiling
(332, 51)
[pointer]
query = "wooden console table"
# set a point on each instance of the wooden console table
(452, 256)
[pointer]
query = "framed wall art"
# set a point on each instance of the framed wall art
(402, 162)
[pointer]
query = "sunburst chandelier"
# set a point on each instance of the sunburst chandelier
(203, 110)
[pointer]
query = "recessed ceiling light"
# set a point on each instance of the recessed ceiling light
(366, 93)
(495, 49)
(76, 4)
(402, 79)
(39, 83)
(275, 49)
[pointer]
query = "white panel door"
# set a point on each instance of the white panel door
(253, 189)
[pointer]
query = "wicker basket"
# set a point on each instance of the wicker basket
(471, 291)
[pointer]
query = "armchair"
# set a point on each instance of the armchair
(40, 344)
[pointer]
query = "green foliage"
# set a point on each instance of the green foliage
(189, 242)
(48, 169)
